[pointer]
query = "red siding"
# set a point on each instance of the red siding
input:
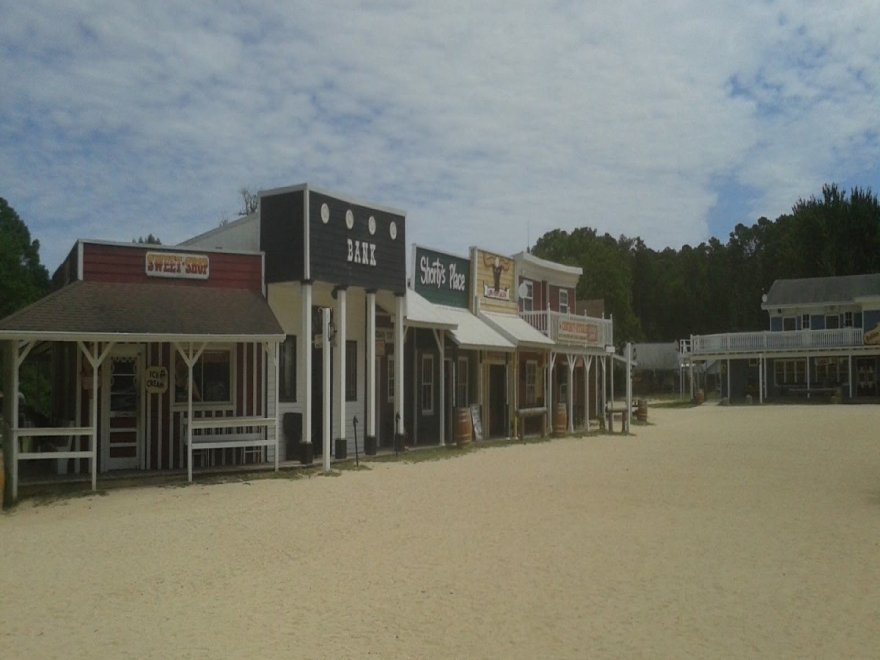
(554, 298)
(122, 263)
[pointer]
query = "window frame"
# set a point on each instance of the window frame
(530, 286)
(563, 304)
(180, 382)
(530, 390)
(426, 385)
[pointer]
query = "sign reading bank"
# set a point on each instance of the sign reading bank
(441, 278)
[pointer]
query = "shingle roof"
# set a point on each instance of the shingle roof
(85, 308)
(819, 290)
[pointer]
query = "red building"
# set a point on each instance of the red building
(136, 341)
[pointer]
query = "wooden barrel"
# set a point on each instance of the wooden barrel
(462, 426)
(642, 410)
(560, 418)
(700, 397)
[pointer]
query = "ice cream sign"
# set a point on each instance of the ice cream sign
(178, 266)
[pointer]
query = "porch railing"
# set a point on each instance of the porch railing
(572, 329)
(790, 340)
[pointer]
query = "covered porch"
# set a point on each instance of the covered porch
(128, 366)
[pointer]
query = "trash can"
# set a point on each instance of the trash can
(340, 447)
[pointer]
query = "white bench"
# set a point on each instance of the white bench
(228, 432)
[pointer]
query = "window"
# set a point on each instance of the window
(461, 382)
(531, 383)
(790, 372)
(212, 377)
(847, 319)
(427, 384)
(788, 323)
(351, 370)
(832, 371)
(527, 302)
(563, 301)
(805, 322)
(832, 322)
(390, 380)
(287, 369)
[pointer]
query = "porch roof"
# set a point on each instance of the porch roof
(422, 313)
(516, 330)
(105, 311)
(472, 333)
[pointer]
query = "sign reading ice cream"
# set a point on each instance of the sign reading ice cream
(177, 265)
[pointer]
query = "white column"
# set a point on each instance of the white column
(341, 334)
(305, 351)
(571, 359)
(439, 336)
(371, 364)
(550, 412)
(808, 376)
(400, 425)
(587, 361)
(761, 379)
(629, 392)
(325, 359)
(728, 380)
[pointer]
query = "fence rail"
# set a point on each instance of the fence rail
(793, 340)
(572, 329)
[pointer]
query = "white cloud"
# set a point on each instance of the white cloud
(489, 124)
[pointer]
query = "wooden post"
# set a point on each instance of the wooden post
(325, 358)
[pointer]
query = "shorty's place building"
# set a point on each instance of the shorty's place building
(155, 357)
(823, 339)
(336, 280)
(446, 363)
(574, 391)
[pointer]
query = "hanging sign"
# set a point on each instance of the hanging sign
(578, 332)
(156, 380)
(177, 265)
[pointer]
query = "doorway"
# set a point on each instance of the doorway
(121, 427)
(497, 400)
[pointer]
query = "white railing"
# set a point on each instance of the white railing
(793, 340)
(572, 329)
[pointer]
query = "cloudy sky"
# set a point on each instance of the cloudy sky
(489, 122)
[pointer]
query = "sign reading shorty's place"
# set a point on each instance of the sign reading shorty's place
(442, 278)
(176, 265)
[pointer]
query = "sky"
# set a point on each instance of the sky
(489, 123)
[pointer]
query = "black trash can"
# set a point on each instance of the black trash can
(306, 453)
(370, 445)
(340, 448)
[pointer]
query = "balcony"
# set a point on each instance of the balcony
(572, 330)
(776, 342)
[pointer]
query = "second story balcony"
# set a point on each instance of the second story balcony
(776, 342)
(572, 330)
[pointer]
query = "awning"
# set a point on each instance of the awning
(110, 311)
(518, 331)
(421, 313)
(472, 333)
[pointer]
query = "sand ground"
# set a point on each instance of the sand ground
(713, 532)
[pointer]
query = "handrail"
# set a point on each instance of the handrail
(786, 340)
(571, 329)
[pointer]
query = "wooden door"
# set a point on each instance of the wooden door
(122, 433)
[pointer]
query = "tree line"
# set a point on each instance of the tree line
(716, 287)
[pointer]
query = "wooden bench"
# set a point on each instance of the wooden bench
(621, 412)
(228, 432)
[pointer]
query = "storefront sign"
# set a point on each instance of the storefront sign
(495, 281)
(577, 332)
(442, 278)
(176, 265)
(156, 380)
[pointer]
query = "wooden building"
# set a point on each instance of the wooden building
(157, 357)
